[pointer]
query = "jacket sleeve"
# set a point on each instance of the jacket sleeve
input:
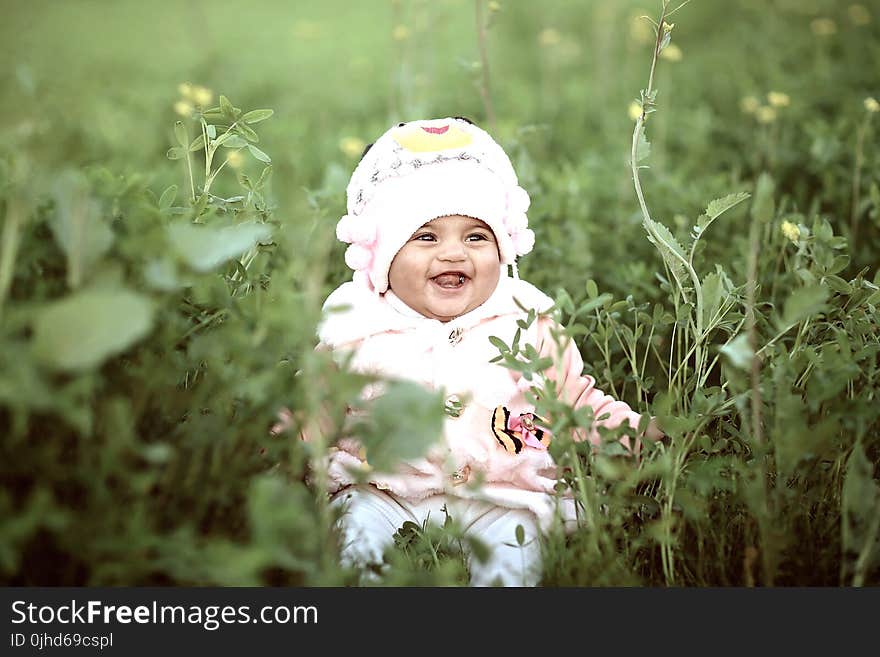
(580, 389)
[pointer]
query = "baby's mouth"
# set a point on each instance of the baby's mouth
(450, 279)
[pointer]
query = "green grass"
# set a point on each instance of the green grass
(143, 358)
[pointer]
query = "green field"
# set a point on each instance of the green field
(156, 314)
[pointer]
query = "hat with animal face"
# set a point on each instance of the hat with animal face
(422, 170)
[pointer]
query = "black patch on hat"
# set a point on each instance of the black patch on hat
(366, 148)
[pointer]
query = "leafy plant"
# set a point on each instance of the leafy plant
(155, 314)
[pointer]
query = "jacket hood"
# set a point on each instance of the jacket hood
(352, 312)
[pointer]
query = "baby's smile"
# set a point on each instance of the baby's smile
(451, 280)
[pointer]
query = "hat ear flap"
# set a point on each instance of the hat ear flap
(344, 229)
(358, 257)
(364, 231)
(361, 277)
(523, 241)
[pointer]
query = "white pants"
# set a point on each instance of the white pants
(370, 517)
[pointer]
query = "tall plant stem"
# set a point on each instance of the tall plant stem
(192, 183)
(765, 520)
(646, 216)
(754, 246)
(666, 553)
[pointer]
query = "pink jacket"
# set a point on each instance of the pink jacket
(390, 338)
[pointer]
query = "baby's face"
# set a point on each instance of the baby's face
(447, 268)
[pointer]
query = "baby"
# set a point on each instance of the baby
(435, 216)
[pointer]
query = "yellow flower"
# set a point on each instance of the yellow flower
(791, 231)
(765, 114)
(823, 27)
(872, 105)
(400, 33)
(749, 104)
(671, 52)
(635, 110)
(352, 146)
(185, 89)
(202, 96)
(494, 6)
(859, 15)
(778, 99)
(549, 37)
(184, 108)
(234, 159)
(639, 28)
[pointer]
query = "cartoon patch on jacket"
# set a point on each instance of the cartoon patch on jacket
(512, 432)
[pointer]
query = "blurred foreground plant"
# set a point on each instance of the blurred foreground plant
(145, 345)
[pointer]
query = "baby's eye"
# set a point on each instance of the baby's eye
(476, 237)
(424, 237)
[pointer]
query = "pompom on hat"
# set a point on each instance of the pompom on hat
(422, 170)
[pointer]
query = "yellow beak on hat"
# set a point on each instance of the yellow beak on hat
(430, 138)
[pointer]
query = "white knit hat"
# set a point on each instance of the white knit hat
(422, 170)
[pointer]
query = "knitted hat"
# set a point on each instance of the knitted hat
(422, 170)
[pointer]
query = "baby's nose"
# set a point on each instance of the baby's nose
(451, 250)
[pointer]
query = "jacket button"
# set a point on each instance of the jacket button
(455, 335)
(461, 475)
